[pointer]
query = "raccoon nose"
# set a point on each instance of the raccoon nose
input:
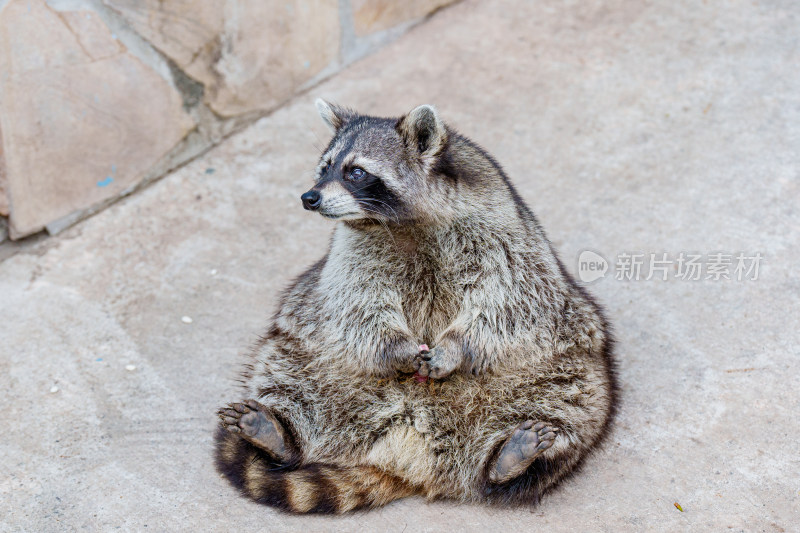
(311, 200)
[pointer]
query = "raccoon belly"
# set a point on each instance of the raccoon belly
(472, 418)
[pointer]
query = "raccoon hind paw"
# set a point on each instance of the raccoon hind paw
(528, 441)
(253, 422)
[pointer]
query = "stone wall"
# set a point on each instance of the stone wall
(98, 97)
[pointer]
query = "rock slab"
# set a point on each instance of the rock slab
(249, 54)
(82, 118)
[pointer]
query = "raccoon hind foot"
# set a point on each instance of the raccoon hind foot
(253, 422)
(528, 441)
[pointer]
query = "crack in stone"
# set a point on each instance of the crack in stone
(121, 49)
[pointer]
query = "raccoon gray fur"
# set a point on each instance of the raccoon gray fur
(342, 409)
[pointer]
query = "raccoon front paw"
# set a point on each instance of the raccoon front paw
(399, 354)
(254, 423)
(438, 363)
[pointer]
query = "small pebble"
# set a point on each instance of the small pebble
(54, 389)
(186, 320)
(213, 271)
(130, 367)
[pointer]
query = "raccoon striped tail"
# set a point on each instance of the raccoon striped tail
(313, 488)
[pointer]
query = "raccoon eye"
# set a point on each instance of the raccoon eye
(357, 174)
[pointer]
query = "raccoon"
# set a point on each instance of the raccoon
(439, 348)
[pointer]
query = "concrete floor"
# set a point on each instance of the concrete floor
(628, 126)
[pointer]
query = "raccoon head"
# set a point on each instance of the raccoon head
(381, 170)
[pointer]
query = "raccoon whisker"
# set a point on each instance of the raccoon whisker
(382, 217)
(396, 217)
(318, 144)
(336, 217)
(382, 222)
(388, 231)
(368, 210)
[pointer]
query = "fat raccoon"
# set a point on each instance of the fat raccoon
(439, 348)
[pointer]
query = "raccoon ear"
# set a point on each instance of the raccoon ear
(423, 130)
(333, 115)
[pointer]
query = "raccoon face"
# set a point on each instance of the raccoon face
(376, 170)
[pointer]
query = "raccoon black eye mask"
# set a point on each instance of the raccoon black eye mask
(437, 273)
